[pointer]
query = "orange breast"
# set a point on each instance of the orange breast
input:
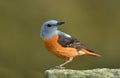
(54, 47)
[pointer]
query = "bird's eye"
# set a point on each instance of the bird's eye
(49, 25)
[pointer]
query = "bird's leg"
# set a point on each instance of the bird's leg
(69, 60)
(61, 65)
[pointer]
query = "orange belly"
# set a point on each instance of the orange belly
(54, 47)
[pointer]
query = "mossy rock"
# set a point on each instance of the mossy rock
(94, 73)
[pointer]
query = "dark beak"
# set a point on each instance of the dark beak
(60, 23)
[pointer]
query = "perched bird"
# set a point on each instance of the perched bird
(61, 44)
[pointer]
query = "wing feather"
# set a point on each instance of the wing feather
(68, 41)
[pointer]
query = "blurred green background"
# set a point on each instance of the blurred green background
(96, 23)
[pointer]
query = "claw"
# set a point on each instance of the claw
(58, 67)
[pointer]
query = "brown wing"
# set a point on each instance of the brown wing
(68, 41)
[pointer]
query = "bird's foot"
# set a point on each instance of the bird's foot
(58, 67)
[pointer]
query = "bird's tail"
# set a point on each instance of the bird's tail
(89, 52)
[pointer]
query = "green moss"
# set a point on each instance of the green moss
(95, 73)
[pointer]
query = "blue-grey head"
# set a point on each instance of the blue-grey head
(49, 28)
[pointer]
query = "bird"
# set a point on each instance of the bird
(62, 44)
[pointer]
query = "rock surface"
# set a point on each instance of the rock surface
(94, 73)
